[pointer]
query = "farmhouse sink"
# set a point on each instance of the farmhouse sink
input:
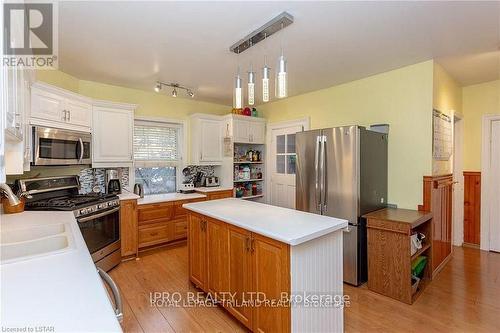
(26, 234)
(29, 243)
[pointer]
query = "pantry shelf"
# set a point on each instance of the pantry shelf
(248, 162)
(249, 180)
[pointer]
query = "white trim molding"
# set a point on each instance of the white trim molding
(485, 180)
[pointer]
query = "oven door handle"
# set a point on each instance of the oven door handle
(88, 218)
(80, 141)
(116, 293)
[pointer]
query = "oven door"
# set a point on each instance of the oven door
(60, 147)
(101, 232)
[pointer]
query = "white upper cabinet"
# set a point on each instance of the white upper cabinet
(206, 139)
(55, 107)
(113, 134)
(247, 129)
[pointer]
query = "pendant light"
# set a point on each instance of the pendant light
(238, 92)
(251, 86)
(281, 75)
(266, 71)
(251, 81)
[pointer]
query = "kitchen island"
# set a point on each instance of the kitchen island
(274, 269)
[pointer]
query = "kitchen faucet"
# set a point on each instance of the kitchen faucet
(6, 190)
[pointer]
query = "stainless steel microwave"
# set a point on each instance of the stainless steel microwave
(52, 146)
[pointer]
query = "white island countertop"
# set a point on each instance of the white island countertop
(62, 290)
(282, 224)
(157, 198)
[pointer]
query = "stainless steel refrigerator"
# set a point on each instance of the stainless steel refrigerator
(342, 172)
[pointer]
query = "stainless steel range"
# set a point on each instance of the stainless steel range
(98, 215)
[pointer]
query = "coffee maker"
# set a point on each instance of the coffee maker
(113, 185)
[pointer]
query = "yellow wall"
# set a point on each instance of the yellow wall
(149, 103)
(447, 98)
(401, 98)
(478, 100)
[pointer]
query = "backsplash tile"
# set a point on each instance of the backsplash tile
(208, 170)
(96, 177)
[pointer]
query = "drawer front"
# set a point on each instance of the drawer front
(156, 234)
(180, 229)
(220, 195)
(155, 213)
(180, 212)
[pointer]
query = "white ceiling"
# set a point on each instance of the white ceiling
(133, 44)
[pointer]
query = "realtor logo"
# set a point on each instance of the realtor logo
(29, 38)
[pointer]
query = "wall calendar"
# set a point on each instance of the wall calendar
(442, 135)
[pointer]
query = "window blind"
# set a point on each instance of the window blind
(156, 144)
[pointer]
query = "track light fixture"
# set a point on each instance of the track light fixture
(159, 85)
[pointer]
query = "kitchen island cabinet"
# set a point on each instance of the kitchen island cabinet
(262, 253)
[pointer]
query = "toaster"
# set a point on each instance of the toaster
(211, 181)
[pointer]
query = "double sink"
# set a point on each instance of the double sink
(33, 242)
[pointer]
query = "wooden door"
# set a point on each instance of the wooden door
(197, 247)
(112, 135)
(217, 255)
(239, 278)
(128, 227)
(271, 269)
(211, 140)
(472, 207)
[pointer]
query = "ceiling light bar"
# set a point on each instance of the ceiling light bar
(281, 21)
(159, 85)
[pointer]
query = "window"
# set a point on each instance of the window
(157, 155)
(285, 154)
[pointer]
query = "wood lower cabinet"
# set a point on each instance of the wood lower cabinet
(128, 227)
(197, 247)
(161, 223)
(217, 251)
(271, 276)
(240, 272)
(226, 258)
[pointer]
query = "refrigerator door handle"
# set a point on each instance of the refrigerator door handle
(317, 192)
(322, 173)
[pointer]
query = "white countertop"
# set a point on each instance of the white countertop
(156, 198)
(126, 195)
(212, 189)
(285, 225)
(60, 290)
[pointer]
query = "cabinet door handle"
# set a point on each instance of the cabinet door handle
(247, 243)
(69, 115)
(153, 233)
(252, 244)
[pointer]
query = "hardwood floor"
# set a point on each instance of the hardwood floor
(464, 297)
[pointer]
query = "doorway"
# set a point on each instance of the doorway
(281, 162)
(490, 184)
(458, 179)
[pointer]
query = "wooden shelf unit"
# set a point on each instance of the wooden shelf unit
(389, 251)
(260, 163)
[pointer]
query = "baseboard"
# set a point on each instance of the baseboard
(441, 266)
